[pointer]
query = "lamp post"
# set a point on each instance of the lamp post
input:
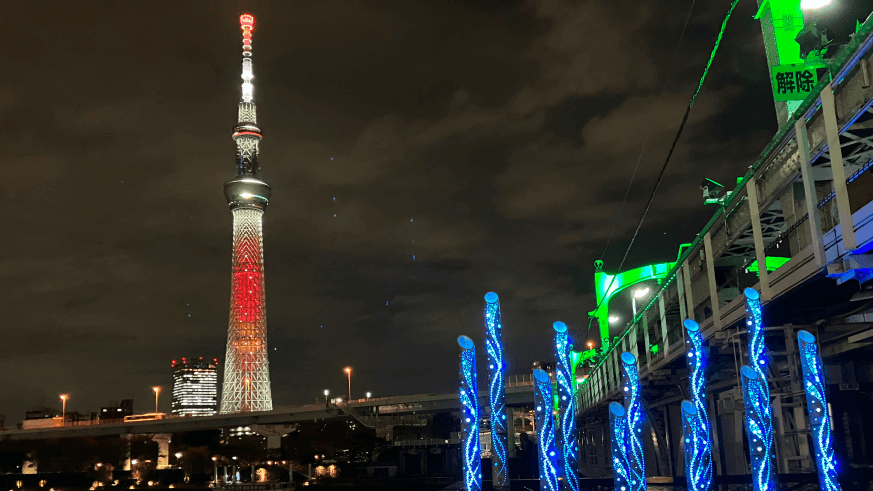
(157, 391)
(640, 293)
(326, 393)
(369, 394)
(348, 371)
(64, 398)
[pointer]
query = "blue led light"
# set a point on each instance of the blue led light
(545, 426)
(756, 394)
(698, 434)
(759, 426)
(622, 476)
(816, 406)
(566, 407)
(636, 462)
(470, 407)
(496, 390)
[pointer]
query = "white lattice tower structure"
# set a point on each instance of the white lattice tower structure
(246, 368)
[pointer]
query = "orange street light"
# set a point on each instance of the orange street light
(348, 371)
(157, 393)
(64, 398)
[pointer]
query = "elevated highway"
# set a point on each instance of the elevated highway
(519, 392)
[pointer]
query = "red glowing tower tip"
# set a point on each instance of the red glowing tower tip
(247, 20)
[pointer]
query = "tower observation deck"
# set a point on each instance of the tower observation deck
(246, 368)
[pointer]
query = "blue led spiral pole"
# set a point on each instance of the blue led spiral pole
(756, 394)
(633, 406)
(698, 444)
(566, 407)
(545, 426)
(469, 396)
(496, 391)
(619, 436)
(759, 426)
(817, 407)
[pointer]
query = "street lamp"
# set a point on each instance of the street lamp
(64, 398)
(369, 394)
(326, 393)
(348, 371)
(157, 393)
(640, 293)
(613, 319)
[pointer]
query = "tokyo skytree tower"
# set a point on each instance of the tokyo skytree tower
(246, 369)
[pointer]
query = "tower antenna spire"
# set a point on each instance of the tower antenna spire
(247, 24)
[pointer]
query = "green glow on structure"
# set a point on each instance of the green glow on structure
(607, 286)
(773, 263)
(781, 22)
(787, 21)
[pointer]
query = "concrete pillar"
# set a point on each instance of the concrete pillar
(710, 276)
(809, 193)
(163, 440)
(847, 223)
(646, 340)
(755, 212)
(689, 298)
(680, 289)
(663, 313)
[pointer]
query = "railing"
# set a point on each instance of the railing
(520, 380)
(423, 442)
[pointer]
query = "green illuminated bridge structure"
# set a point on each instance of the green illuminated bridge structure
(804, 209)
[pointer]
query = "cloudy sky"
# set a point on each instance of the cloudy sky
(421, 154)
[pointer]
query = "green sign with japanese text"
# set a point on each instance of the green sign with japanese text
(793, 82)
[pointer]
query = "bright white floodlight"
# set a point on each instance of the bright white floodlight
(814, 4)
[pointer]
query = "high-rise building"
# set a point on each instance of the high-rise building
(195, 387)
(246, 369)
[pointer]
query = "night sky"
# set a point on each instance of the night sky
(421, 154)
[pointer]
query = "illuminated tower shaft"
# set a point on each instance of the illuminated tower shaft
(246, 369)
(496, 391)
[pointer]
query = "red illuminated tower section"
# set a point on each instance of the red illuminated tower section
(246, 369)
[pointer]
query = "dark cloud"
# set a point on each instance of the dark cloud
(464, 147)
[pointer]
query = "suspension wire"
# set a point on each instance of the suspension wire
(648, 132)
(670, 153)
